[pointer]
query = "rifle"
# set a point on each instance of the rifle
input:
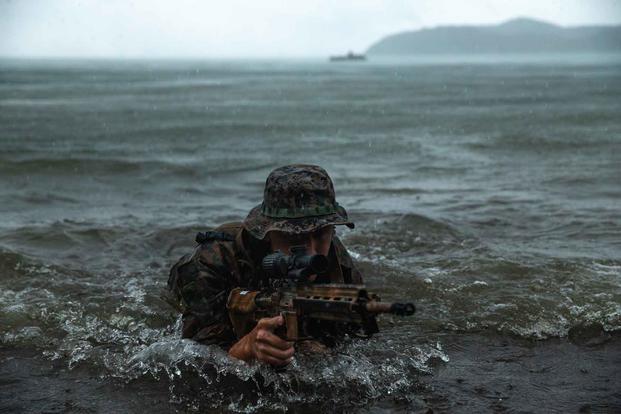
(293, 296)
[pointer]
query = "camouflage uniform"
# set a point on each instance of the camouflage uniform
(297, 199)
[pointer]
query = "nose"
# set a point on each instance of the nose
(311, 246)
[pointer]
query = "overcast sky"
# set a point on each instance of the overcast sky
(253, 28)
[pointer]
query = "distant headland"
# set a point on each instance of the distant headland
(520, 35)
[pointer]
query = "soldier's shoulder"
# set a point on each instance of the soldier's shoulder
(226, 232)
(342, 253)
(213, 259)
(217, 246)
(214, 249)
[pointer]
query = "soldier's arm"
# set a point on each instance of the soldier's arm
(201, 284)
(201, 288)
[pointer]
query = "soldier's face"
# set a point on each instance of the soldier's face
(317, 242)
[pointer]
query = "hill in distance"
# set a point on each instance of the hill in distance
(520, 35)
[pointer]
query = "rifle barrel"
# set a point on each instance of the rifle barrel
(402, 309)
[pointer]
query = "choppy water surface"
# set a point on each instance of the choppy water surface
(487, 193)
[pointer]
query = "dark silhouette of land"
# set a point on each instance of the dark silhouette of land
(514, 36)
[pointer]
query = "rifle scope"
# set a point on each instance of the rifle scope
(298, 265)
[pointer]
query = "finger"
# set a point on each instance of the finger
(271, 339)
(273, 361)
(270, 323)
(275, 352)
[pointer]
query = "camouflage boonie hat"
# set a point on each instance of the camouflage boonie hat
(297, 199)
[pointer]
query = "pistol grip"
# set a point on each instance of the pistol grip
(290, 329)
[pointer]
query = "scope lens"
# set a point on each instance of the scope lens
(319, 263)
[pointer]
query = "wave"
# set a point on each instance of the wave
(46, 198)
(93, 247)
(92, 166)
(102, 168)
(464, 283)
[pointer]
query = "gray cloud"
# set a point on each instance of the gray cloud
(237, 28)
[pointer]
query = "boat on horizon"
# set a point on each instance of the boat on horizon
(350, 56)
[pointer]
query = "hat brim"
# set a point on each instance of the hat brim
(259, 225)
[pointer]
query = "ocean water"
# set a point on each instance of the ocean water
(486, 192)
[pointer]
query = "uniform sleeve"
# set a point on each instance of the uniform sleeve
(200, 283)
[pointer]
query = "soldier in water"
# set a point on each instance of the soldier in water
(298, 209)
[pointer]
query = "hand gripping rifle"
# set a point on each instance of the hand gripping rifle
(294, 297)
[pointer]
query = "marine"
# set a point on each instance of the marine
(298, 209)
